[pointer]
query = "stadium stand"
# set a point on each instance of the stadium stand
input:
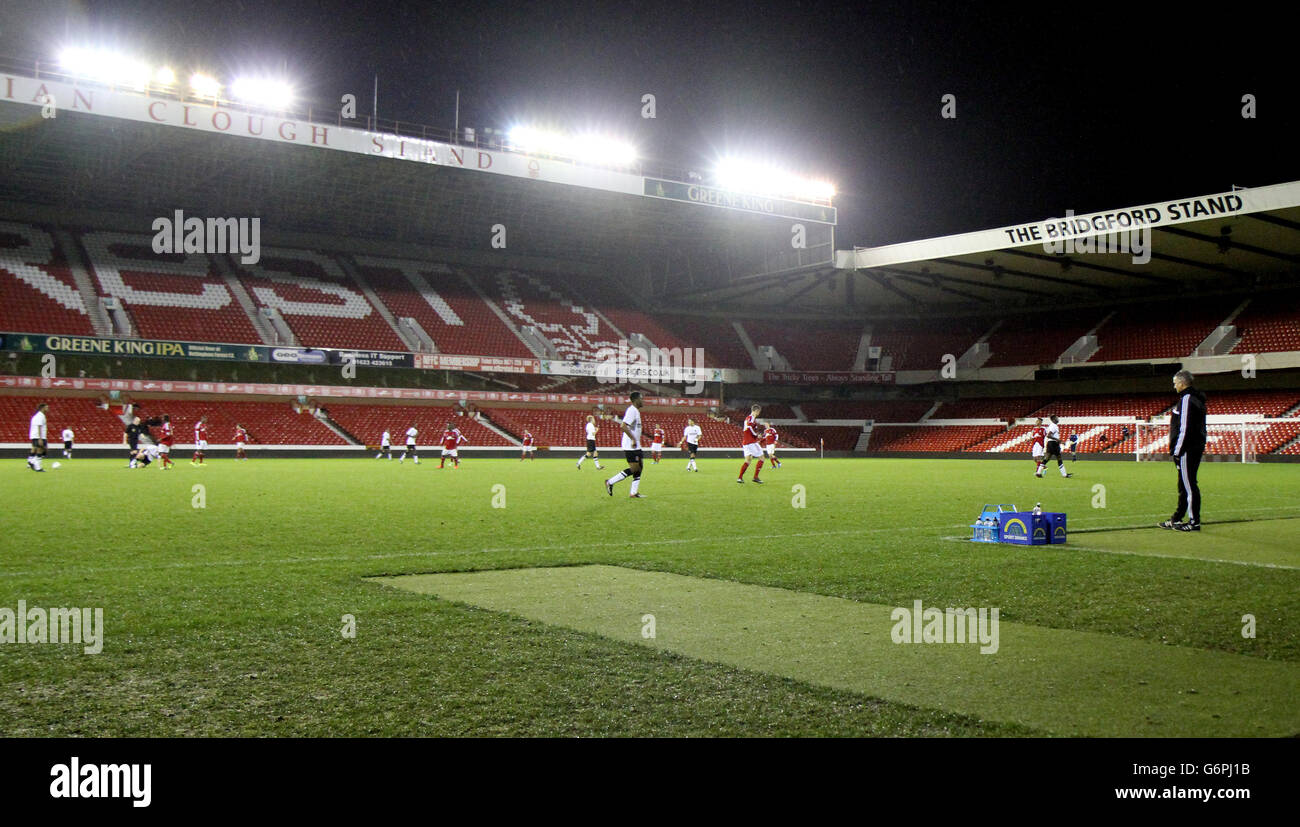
(942, 439)
(1269, 323)
(367, 423)
(454, 316)
(268, 423)
(1293, 449)
(564, 427)
(1037, 340)
(1162, 331)
(773, 410)
(808, 345)
(722, 347)
(167, 296)
(39, 292)
(1019, 439)
(535, 301)
(1137, 404)
(837, 437)
(921, 345)
(629, 320)
(1273, 437)
(997, 408)
(319, 302)
(901, 410)
(1268, 403)
(278, 423)
(88, 420)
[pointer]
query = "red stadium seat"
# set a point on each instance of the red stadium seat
(39, 293)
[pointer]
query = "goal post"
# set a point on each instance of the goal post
(1235, 440)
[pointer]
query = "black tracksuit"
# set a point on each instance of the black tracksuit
(1187, 445)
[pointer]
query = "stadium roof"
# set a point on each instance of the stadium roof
(674, 255)
(123, 152)
(1244, 239)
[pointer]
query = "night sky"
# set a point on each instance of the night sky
(1078, 107)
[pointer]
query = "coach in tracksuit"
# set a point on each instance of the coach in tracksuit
(1187, 444)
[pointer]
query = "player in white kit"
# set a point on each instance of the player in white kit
(591, 431)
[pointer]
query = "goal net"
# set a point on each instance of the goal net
(1236, 441)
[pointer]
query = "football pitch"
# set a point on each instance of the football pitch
(356, 597)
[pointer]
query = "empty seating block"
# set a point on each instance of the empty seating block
(837, 437)
(722, 347)
(1268, 403)
(89, 422)
(999, 408)
(1150, 331)
(268, 423)
(180, 296)
(322, 306)
(921, 346)
(1031, 340)
(775, 410)
(884, 410)
(368, 422)
(37, 291)
(536, 301)
(455, 317)
(1139, 405)
(809, 345)
(935, 438)
(1269, 323)
(621, 312)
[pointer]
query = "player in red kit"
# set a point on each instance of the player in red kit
(529, 447)
(200, 441)
(1040, 447)
(751, 442)
(241, 437)
(657, 443)
(166, 436)
(451, 437)
(769, 445)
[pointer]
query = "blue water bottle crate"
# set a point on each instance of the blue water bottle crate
(987, 527)
(1056, 532)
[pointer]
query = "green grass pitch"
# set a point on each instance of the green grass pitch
(226, 619)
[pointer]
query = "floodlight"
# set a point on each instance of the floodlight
(105, 66)
(205, 86)
(265, 92)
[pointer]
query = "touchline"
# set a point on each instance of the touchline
(37, 625)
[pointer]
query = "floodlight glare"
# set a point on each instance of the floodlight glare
(587, 148)
(265, 92)
(597, 149)
(762, 179)
(531, 139)
(205, 86)
(105, 67)
(164, 76)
